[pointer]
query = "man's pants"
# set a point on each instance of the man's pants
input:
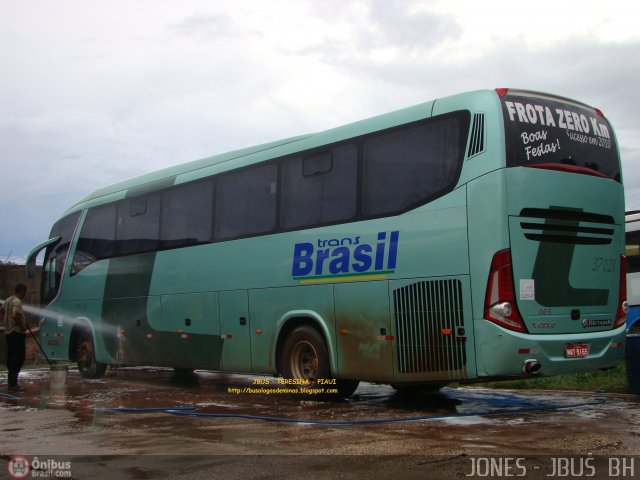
(15, 356)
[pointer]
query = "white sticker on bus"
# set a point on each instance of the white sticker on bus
(527, 289)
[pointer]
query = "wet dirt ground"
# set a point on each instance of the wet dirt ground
(201, 427)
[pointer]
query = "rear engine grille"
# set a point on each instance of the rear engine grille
(562, 225)
(430, 327)
(560, 213)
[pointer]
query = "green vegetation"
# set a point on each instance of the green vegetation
(612, 381)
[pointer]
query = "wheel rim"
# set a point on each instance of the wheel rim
(304, 362)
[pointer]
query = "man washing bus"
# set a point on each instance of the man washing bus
(15, 329)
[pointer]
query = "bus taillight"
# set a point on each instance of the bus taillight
(500, 301)
(623, 306)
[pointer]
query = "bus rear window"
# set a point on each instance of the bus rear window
(544, 130)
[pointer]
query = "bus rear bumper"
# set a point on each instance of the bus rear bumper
(501, 352)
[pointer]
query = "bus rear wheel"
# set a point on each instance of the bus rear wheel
(86, 358)
(305, 357)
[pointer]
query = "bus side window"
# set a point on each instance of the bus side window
(246, 202)
(405, 168)
(97, 237)
(187, 213)
(138, 225)
(319, 189)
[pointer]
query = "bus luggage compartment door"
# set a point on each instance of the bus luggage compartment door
(190, 321)
(363, 331)
(235, 331)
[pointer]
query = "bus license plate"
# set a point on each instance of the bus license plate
(576, 350)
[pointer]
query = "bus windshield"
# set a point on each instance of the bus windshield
(56, 257)
(557, 133)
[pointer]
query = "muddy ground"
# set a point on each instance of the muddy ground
(377, 433)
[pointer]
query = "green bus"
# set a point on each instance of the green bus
(476, 236)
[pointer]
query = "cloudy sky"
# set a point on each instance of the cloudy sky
(93, 92)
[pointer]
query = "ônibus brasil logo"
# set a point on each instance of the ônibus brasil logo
(19, 467)
(345, 259)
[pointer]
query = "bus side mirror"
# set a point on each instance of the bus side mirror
(31, 268)
(31, 259)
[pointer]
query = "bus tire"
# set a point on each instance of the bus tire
(305, 357)
(86, 357)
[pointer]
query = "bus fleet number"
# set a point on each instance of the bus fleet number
(604, 264)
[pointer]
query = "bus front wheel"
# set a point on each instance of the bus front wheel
(86, 357)
(305, 358)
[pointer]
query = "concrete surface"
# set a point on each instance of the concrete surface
(455, 428)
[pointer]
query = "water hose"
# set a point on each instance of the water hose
(144, 409)
(10, 397)
(40, 346)
(191, 412)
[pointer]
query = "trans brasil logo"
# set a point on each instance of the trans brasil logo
(346, 259)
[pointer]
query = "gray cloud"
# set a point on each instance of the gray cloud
(384, 24)
(206, 27)
(396, 25)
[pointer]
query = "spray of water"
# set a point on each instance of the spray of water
(53, 319)
(58, 318)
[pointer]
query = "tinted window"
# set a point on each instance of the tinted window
(319, 189)
(246, 202)
(407, 167)
(186, 215)
(56, 256)
(542, 129)
(96, 237)
(137, 225)
(317, 164)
